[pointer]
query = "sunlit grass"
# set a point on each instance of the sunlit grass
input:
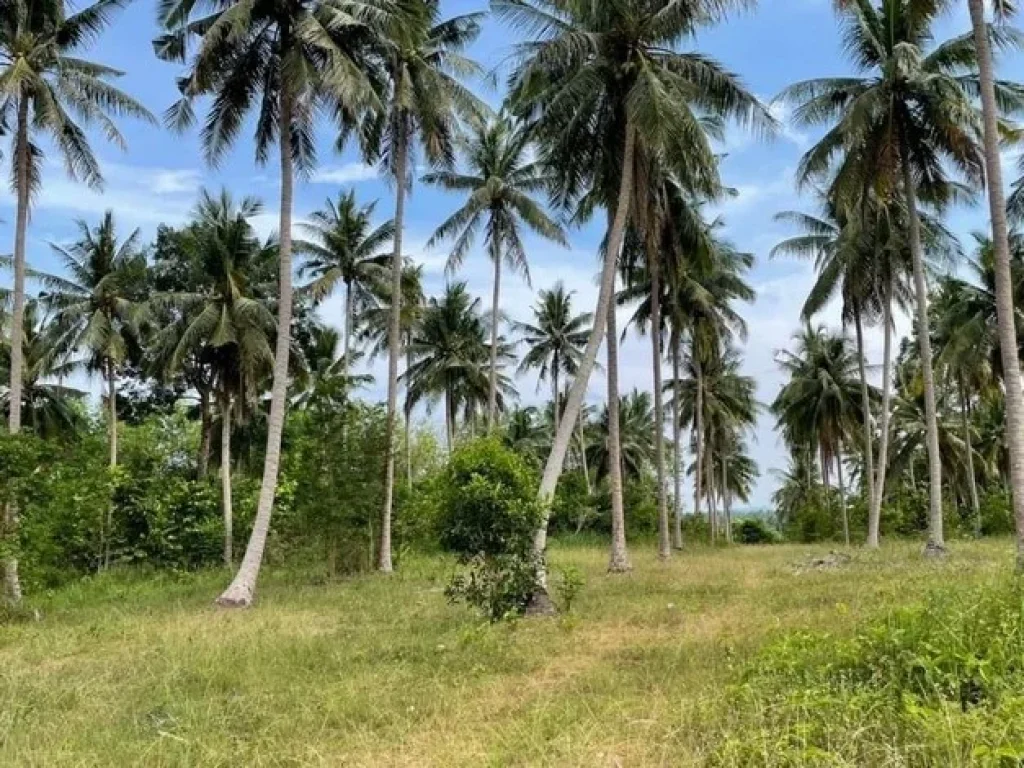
(382, 671)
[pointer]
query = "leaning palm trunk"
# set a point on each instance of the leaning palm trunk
(664, 542)
(12, 583)
(394, 350)
(875, 511)
(842, 497)
(541, 603)
(936, 542)
(869, 461)
(972, 484)
(242, 589)
(225, 479)
(618, 562)
(492, 383)
(1004, 296)
(677, 453)
(108, 527)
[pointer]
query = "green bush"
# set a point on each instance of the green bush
(754, 530)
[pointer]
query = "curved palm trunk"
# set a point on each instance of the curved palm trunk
(225, 479)
(492, 384)
(618, 561)
(540, 602)
(875, 510)
(12, 582)
(677, 454)
(394, 350)
(936, 542)
(664, 541)
(1004, 293)
(972, 484)
(242, 589)
(842, 497)
(869, 461)
(698, 429)
(108, 528)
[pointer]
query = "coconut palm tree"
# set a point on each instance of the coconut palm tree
(343, 248)
(610, 93)
(637, 446)
(228, 320)
(423, 62)
(50, 90)
(99, 309)
(500, 179)
(898, 129)
(286, 62)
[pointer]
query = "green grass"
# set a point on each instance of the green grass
(382, 671)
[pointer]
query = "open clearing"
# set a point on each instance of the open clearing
(383, 672)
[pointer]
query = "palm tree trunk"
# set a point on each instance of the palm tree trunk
(242, 589)
(972, 483)
(677, 454)
(842, 496)
(394, 348)
(726, 500)
(492, 384)
(1004, 292)
(869, 461)
(618, 561)
(554, 392)
(583, 453)
(225, 479)
(205, 434)
(875, 511)
(112, 426)
(698, 429)
(936, 542)
(664, 540)
(347, 338)
(449, 419)
(408, 420)
(710, 490)
(12, 582)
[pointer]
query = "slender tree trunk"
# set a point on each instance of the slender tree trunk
(394, 348)
(492, 384)
(698, 430)
(225, 479)
(875, 511)
(408, 419)
(554, 392)
(618, 561)
(347, 339)
(449, 419)
(664, 537)
(869, 461)
(842, 497)
(971, 481)
(112, 425)
(583, 452)
(205, 434)
(242, 589)
(677, 454)
(12, 582)
(710, 490)
(936, 541)
(726, 499)
(1004, 287)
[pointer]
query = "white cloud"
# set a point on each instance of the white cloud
(344, 174)
(173, 181)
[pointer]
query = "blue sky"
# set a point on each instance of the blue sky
(158, 178)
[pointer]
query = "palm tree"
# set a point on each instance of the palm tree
(818, 405)
(610, 93)
(227, 321)
(98, 309)
(286, 61)
(637, 425)
(46, 86)
(345, 249)
(500, 179)
(897, 129)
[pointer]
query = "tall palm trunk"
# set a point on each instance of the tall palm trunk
(842, 496)
(12, 582)
(205, 433)
(541, 603)
(664, 540)
(449, 418)
(583, 452)
(242, 589)
(710, 490)
(408, 419)
(555, 363)
(492, 383)
(869, 461)
(677, 454)
(225, 479)
(1004, 292)
(936, 541)
(875, 511)
(394, 347)
(972, 484)
(618, 561)
(726, 500)
(347, 338)
(698, 431)
(108, 528)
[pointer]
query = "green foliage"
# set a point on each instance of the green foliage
(754, 530)
(996, 512)
(568, 585)
(499, 585)
(574, 508)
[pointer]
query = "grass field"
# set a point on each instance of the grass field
(382, 671)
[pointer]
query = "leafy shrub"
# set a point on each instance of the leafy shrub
(568, 586)
(499, 585)
(574, 508)
(754, 530)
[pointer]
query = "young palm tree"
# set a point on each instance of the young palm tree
(897, 129)
(228, 321)
(610, 92)
(500, 179)
(345, 249)
(99, 308)
(46, 87)
(423, 59)
(285, 61)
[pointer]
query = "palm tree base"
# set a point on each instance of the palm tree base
(620, 566)
(931, 549)
(540, 604)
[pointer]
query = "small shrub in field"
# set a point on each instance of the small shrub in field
(487, 515)
(568, 586)
(754, 530)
